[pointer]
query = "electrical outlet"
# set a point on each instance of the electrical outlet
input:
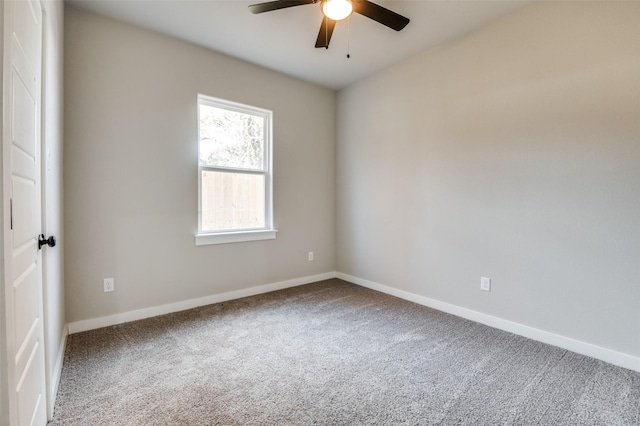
(485, 284)
(310, 256)
(109, 285)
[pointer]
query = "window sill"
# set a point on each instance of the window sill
(235, 237)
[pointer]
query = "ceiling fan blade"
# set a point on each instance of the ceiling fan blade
(380, 14)
(325, 33)
(278, 4)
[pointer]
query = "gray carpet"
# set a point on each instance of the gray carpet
(332, 353)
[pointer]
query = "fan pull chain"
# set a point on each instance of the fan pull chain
(349, 37)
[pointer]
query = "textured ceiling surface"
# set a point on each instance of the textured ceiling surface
(284, 40)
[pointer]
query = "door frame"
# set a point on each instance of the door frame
(4, 396)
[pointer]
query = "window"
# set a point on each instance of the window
(234, 172)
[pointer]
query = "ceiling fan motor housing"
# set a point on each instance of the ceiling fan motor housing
(366, 8)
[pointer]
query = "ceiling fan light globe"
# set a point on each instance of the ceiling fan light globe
(337, 9)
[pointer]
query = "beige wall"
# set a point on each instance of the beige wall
(131, 173)
(512, 153)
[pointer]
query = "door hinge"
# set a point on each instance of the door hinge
(11, 212)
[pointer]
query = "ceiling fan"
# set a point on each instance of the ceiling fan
(336, 10)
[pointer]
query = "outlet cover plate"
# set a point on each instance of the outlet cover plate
(485, 284)
(109, 285)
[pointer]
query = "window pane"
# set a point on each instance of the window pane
(232, 201)
(231, 139)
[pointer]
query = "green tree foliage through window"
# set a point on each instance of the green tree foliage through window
(231, 139)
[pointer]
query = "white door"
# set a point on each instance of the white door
(22, 193)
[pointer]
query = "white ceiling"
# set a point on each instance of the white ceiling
(284, 40)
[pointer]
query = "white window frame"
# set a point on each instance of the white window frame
(239, 235)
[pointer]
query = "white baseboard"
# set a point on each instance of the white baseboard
(91, 324)
(56, 373)
(588, 349)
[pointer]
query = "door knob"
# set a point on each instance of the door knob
(51, 241)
